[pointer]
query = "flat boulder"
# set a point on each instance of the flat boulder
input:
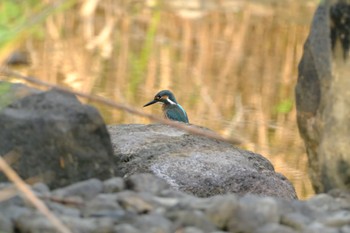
(194, 164)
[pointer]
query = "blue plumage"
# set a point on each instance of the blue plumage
(171, 109)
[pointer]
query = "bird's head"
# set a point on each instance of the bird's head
(165, 97)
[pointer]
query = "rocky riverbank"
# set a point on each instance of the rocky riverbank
(145, 203)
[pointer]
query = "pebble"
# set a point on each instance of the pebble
(115, 184)
(85, 189)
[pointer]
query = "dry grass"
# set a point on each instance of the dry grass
(233, 68)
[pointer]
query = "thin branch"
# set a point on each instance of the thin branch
(189, 128)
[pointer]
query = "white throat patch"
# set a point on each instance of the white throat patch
(170, 101)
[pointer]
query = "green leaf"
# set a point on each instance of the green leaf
(285, 106)
(5, 93)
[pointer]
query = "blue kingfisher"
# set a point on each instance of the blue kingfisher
(171, 109)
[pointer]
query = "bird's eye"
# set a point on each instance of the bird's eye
(157, 97)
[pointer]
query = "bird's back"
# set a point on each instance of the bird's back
(175, 112)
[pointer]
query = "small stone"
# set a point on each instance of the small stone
(253, 212)
(34, 222)
(134, 202)
(89, 225)
(195, 218)
(345, 229)
(41, 188)
(337, 219)
(61, 209)
(15, 212)
(319, 227)
(321, 202)
(294, 220)
(191, 230)
(167, 202)
(38, 223)
(112, 185)
(274, 228)
(173, 193)
(101, 205)
(153, 224)
(195, 203)
(222, 209)
(145, 182)
(13, 197)
(86, 189)
(125, 228)
(5, 224)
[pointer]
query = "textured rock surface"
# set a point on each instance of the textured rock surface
(87, 209)
(56, 139)
(323, 97)
(196, 165)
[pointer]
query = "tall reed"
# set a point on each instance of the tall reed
(231, 64)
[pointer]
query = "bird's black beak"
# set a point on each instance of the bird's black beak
(150, 103)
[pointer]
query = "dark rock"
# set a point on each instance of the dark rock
(323, 97)
(86, 189)
(196, 165)
(10, 92)
(18, 57)
(146, 183)
(58, 138)
(115, 184)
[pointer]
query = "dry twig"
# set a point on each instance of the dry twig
(189, 128)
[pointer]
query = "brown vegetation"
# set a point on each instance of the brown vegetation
(232, 67)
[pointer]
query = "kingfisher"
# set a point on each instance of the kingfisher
(171, 109)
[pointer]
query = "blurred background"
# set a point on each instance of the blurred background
(232, 64)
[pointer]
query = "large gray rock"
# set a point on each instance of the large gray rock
(196, 165)
(323, 97)
(55, 139)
